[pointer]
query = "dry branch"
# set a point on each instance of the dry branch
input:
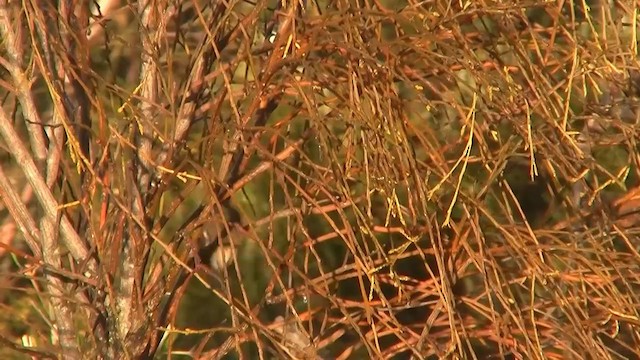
(387, 179)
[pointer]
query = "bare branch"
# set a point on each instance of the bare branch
(11, 28)
(20, 214)
(62, 313)
(71, 239)
(151, 27)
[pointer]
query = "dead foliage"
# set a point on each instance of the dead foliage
(320, 179)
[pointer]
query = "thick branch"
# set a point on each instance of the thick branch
(10, 29)
(72, 240)
(20, 214)
(62, 312)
